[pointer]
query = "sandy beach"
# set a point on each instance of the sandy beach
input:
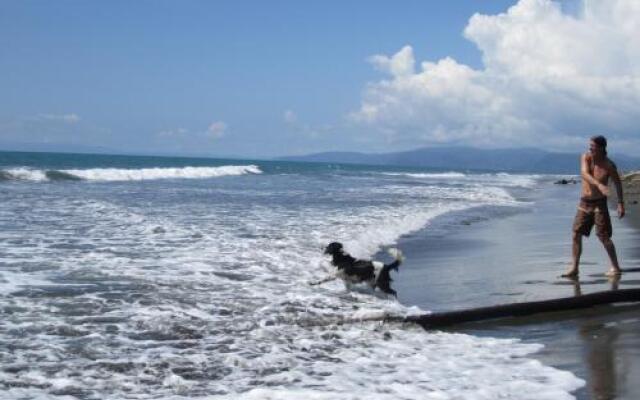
(520, 258)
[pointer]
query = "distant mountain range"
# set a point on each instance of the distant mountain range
(469, 158)
(443, 158)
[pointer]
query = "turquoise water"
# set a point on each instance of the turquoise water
(57, 161)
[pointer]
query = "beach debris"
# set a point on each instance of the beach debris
(438, 320)
(566, 181)
(631, 176)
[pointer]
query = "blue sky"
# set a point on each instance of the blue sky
(261, 79)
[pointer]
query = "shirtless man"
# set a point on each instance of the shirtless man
(596, 169)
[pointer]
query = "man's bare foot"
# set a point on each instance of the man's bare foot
(614, 280)
(571, 274)
(613, 272)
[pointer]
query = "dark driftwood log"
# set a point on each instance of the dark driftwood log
(437, 320)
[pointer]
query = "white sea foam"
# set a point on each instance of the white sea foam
(26, 174)
(513, 180)
(120, 174)
(500, 178)
(114, 174)
(438, 175)
(217, 300)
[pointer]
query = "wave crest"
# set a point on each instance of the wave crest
(433, 175)
(119, 174)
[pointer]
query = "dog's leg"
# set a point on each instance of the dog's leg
(383, 281)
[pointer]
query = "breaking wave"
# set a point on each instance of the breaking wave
(118, 174)
(435, 175)
(502, 179)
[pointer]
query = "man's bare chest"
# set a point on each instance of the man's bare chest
(601, 173)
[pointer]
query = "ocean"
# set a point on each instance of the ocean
(127, 277)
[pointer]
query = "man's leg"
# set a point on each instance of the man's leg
(613, 257)
(577, 252)
(604, 231)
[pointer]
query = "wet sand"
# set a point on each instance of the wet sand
(483, 261)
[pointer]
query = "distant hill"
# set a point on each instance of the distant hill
(469, 158)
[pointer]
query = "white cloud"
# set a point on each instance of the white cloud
(66, 118)
(179, 132)
(549, 78)
(216, 129)
(290, 117)
(185, 139)
(305, 130)
(401, 64)
(63, 129)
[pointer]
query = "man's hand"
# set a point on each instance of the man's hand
(620, 210)
(604, 189)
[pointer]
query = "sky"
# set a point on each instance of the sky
(260, 79)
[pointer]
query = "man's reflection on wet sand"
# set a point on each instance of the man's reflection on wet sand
(599, 340)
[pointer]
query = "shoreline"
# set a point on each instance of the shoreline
(520, 258)
(631, 192)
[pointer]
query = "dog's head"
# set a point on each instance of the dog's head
(333, 248)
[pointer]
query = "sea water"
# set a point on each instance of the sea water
(127, 277)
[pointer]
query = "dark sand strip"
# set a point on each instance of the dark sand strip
(484, 261)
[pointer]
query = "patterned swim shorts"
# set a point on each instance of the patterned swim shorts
(593, 212)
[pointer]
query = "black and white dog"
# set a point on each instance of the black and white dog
(353, 271)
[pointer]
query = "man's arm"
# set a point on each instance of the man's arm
(587, 175)
(618, 184)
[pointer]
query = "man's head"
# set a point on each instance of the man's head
(598, 145)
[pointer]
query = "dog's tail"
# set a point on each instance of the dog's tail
(384, 280)
(399, 258)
